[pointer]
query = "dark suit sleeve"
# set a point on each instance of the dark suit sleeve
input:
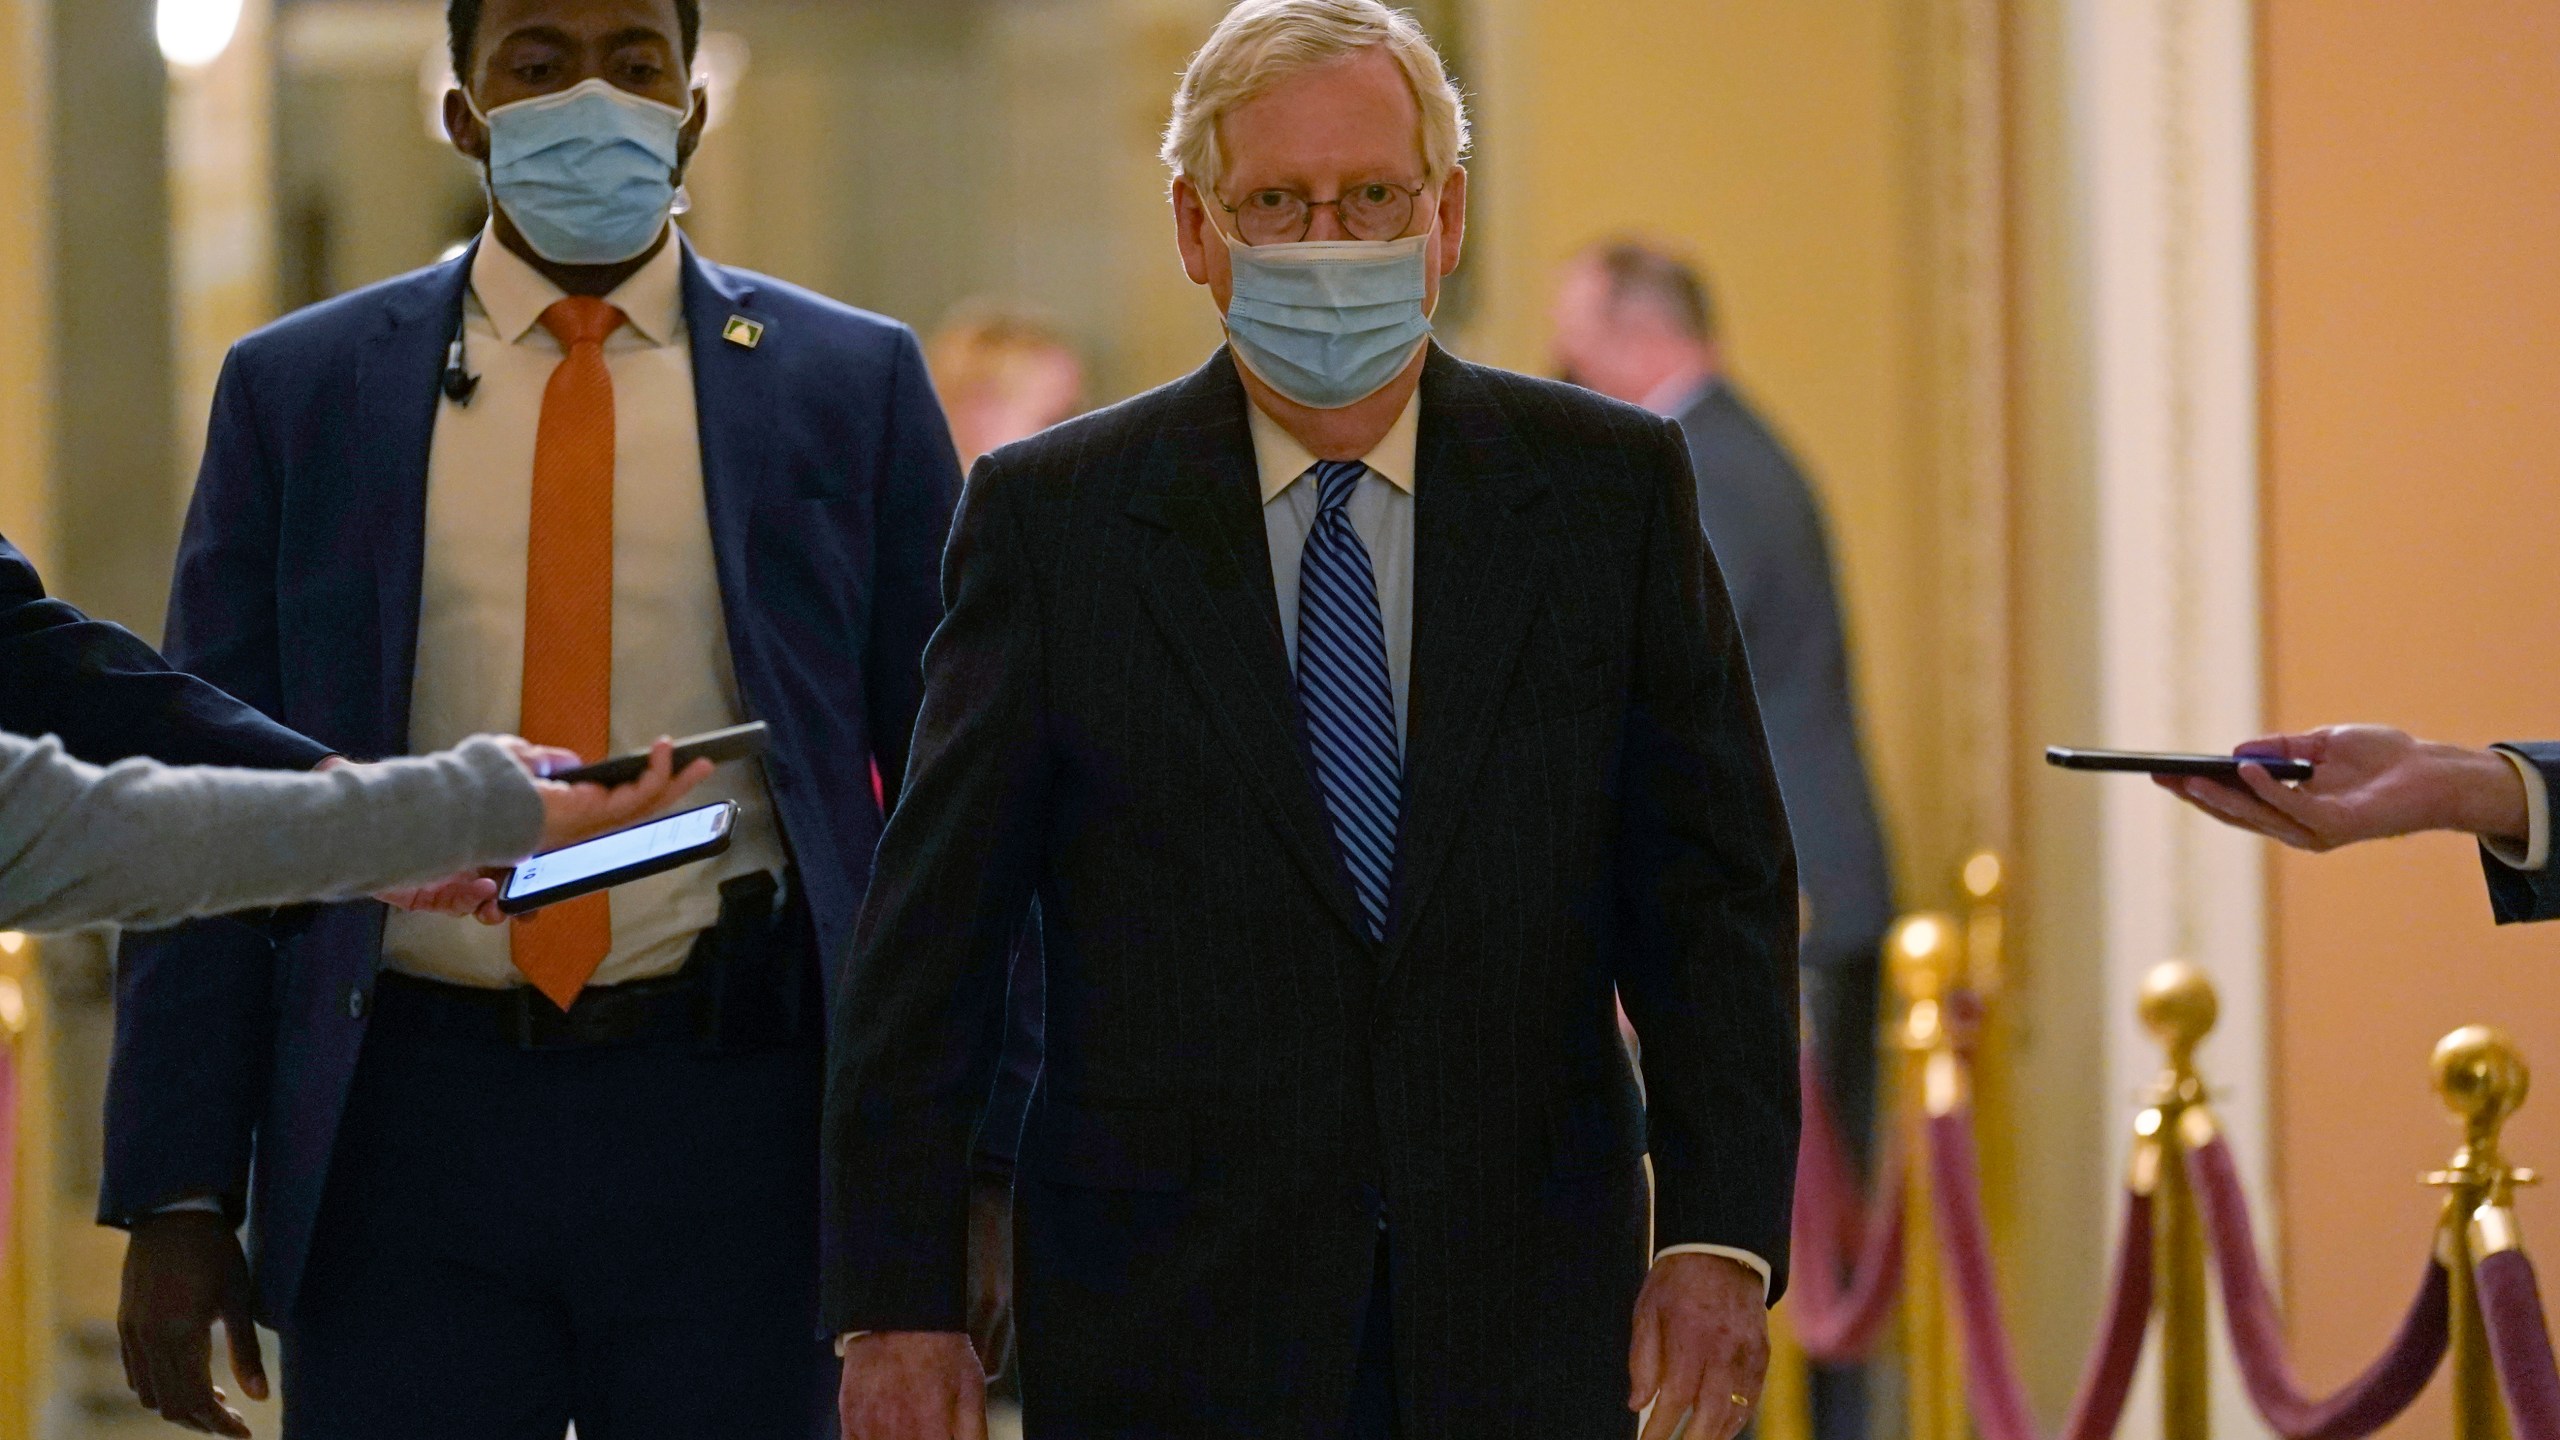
(920, 481)
(195, 1010)
(109, 697)
(2515, 895)
(1707, 897)
(918, 1027)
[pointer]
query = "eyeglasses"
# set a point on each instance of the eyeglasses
(1378, 210)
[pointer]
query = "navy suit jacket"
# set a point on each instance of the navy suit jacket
(1767, 533)
(831, 481)
(2516, 896)
(109, 697)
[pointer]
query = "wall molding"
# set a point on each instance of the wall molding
(2163, 111)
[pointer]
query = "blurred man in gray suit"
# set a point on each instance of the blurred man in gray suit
(1635, 323)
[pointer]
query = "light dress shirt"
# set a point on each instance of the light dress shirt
(2536, 856)
(671, 663)
(1381, 514)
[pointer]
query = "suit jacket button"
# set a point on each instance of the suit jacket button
(355, 1003)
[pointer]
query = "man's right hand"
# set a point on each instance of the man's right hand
(2369, 782)
(913, 1385)
(183, 1271)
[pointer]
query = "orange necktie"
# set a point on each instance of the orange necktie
(568, 614)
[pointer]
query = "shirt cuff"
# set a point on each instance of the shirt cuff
(1744, 1258)
(845, 1341)
(205, 1204)
(2536, 856)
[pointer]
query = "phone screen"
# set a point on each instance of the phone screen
(618, 851)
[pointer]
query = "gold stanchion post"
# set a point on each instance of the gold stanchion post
(2483, 1079)
(2179, 1008)
(1925, 957)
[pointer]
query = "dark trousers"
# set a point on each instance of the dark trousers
(624, 1237)
(1841, 999)
(1374, 1414)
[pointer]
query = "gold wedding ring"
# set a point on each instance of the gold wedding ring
(1740, 1400)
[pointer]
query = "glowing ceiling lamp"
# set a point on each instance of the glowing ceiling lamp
(194, 33)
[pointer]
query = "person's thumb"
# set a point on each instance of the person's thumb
(1644, 1358)
(248, 1361)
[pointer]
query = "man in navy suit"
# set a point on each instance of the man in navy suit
(2370, 782)
(583, 484)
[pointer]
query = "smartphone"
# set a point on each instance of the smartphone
(2225, 768)
(618, 858)
(738, 742)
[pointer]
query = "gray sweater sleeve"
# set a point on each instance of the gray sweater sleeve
(146, 845)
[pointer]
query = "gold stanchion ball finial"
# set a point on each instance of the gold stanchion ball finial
(2179, 1006)
(1983, 876)
(1923, 956)
(2482, 1077)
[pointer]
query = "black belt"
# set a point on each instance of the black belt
(751, 983)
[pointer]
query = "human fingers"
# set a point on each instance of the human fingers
(970, 1421)
(1683, 1368)
(181, 1361)
(2234, 807)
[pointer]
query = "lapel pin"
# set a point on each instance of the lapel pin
(742, 332)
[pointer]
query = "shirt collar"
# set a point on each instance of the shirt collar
(514, 295)
(1282, 459)
(1674, 396)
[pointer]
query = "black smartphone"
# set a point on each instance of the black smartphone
(618, 858)
(738, 742)
(2225, 768)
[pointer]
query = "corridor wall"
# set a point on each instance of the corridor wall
(2412, 408)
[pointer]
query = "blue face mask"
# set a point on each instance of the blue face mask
(587, 175)
(1328, 323)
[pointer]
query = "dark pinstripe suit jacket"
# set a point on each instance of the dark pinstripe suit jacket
(1239, 1084)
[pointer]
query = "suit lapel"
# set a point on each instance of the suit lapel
(1209, 584)
(1476, 585)
(733, 388)
(398, 390)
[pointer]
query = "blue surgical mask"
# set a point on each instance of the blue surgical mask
(587, 175)
(1328, 323)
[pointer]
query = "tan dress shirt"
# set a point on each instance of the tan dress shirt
(671, 663)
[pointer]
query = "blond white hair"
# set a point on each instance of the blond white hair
(1264, 42)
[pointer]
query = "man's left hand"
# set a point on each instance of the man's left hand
(1701, 1347)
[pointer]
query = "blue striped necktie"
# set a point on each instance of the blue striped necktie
(1344, 691)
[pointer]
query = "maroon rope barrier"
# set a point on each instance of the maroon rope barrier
(1847, 1246)
(2511, 1302)
(2370, 1401)
(1991, 1369)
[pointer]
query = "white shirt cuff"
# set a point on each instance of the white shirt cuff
(1745, 1258)
(845, 1341)
(2536, 856)
(205, 1203)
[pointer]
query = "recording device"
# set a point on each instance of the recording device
(618, 858)
(459, 383)
(2223, 768)
(738, 742)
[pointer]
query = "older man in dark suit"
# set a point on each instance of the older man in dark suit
(1364, 721)
(1635, 322)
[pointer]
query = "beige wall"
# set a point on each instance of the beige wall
(1774, 140)
(2413, 436)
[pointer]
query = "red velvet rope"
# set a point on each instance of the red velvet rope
(1847, 1246)
(2370, 1401)
(2511, 1301)
(1991, 1369)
